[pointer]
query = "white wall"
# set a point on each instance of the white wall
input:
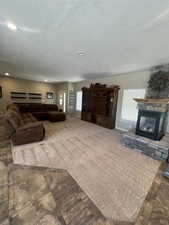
(136, 80)
(131, 113)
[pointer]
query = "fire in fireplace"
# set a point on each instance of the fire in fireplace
(151, 124)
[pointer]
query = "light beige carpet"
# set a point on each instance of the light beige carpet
(117, 179)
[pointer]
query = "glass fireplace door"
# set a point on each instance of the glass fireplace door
(147, 124)
(151, 124)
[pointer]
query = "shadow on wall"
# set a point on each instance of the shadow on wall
(92, 76)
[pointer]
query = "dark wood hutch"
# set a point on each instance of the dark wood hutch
(99, 104)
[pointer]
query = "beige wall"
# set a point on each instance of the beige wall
(137, 80)
(126, 81)
(19, 85)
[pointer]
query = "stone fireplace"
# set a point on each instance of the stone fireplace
(150, 135)
(152, 118)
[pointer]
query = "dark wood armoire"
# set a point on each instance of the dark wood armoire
(99, 104)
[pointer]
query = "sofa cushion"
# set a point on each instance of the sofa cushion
(14, 119)
(13, 107)
(30, 126)
(29, 133)
(36, 107)
(25, 127)
(17, 112)
(40, 115)
(28, 118)
(56, 116)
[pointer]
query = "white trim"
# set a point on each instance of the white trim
(122, 129)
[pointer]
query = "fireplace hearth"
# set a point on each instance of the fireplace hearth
(150, 137)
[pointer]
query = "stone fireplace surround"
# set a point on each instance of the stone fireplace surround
(156, 149)
(154, 114)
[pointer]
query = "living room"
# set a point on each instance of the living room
(84, 134)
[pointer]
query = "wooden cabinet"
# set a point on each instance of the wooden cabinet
(99, 104)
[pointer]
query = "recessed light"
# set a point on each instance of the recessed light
(12, 26)
(81, 53)
(7, 74)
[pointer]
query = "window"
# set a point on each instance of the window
(64, 102)
(60, 100)
(78, 100)
(129, 106)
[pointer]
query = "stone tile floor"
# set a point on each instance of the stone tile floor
(155, 209)
(42, 196)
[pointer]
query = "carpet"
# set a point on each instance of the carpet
(115, 178)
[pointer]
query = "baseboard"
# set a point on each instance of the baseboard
(122, 129)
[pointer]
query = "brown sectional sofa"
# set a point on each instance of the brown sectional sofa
(43, 111)
(26, 128)
(23, 118)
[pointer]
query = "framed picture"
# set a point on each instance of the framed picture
(49, 95)
(0, 92)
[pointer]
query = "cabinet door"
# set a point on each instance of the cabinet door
(86, 101)
(99, 99)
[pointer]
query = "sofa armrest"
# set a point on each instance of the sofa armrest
(31, 132)
(29, 126)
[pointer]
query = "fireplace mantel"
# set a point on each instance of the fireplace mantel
(152, 101)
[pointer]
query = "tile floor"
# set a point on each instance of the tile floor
(41, 196)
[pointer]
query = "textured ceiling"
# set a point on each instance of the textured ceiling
(116, 36)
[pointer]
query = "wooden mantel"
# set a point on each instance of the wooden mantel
(152, 101)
